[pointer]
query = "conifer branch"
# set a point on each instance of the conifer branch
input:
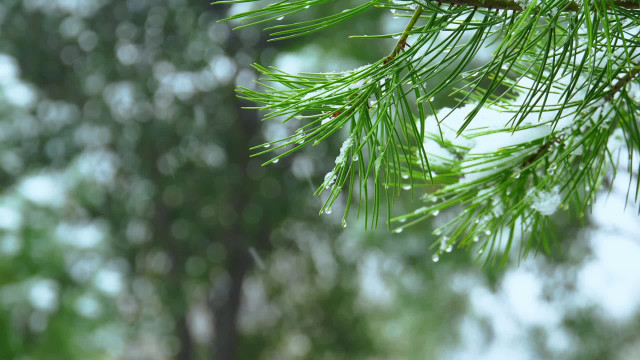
(629, 76)
(621, 83)
(493, 155)
(402, 42)
(516, 6)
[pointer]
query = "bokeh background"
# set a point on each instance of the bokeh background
(135, 225)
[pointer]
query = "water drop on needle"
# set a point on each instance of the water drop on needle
(435, 258)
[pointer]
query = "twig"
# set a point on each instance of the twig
(622, 82)
(402, 42)
(512, 5)
(629, 76)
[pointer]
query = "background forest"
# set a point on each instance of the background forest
(135, 225)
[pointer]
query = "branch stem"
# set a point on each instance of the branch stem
(513, 5)
(405, 35)
(622, 82)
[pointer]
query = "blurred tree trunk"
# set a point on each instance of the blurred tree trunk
(226, 303)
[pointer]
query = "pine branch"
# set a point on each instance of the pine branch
(534, 129)
(520, 6)
(621, 83)
(402, 42)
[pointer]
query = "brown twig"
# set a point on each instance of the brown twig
(512, 5)
(402, 42)
(629, 76)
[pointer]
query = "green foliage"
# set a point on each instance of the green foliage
(546, 101)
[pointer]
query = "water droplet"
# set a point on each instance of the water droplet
(403, 220)
(449, 248)
(477, 221)
(552, 169)
(280, 18)
(386, 186)
(356, 157)
(516, 175)
(267, 145)
(435, 258)
(565, 207)
(480, 251)
(436, 212)
(420, 210)
(406, 187)
(476, 239)
(276, 160)
(437, 232)
(344, 223)
(443, 242)
(405, 176)
(398, 230)
(327, 210)
(487, 232)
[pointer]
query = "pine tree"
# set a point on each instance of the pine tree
(545, 104)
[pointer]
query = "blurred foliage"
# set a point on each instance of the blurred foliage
(135, 225)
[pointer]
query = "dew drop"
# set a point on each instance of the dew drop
(487, 232)
(436, 212)
(517, 175)
(398, 230)
(480, 251)
(267, 146)
(449, 248)
(356, 157)
(552, 169)
(344, 223)
(406, 187)
(280, 18)
(476, 239)
(420, 210)
(437, 232)
(403, 220)
(405, 176)
(328, 210)
(435, 258)
(276, 160)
